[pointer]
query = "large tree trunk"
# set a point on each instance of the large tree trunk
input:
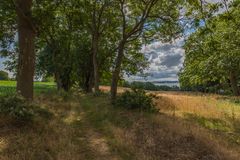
(26, 35)
(95, 63)
(116, 71)
(234, 83)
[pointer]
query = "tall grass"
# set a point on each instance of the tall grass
(89, 127)
(219, 114)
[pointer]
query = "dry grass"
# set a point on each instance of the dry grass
(207, 105)
(213, 112)
(88, 127)
(43, 140)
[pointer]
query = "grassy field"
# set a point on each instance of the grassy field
(216, 113)
(8, 87)
(80, 126)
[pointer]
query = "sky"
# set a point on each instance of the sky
(166, 59)
(1, 63)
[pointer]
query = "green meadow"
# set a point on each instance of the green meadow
(8, 87)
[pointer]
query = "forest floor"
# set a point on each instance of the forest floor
(85, 127)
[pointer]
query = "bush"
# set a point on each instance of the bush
(16, 107)
(48, 79)
(136, 99)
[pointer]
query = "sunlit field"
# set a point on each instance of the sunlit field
(8, 87)
(220, 114)
(75, 126)
(216, 113)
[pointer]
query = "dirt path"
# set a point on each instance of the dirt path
(95, 143)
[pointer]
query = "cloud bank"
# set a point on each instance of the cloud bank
(166, 59)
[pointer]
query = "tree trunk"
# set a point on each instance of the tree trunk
(95, 63)
(89, 83)
(63, 80)
(234, 83)
(116, 72)
(58, 81)
(26, 62)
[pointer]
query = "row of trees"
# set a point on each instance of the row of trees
(88, 42)
(150, 86)
(213, 53)
(82, 42)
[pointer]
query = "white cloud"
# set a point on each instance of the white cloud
(165, 59)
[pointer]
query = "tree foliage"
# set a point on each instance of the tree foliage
(85, 43)
(80, 42)
(213, 53)
(4, 75)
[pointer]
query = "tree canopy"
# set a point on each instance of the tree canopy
(213, 53)
(86, 43)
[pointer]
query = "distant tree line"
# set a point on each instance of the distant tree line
(149, 86)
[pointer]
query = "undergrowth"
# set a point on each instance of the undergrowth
(137, 99)
(17, 107)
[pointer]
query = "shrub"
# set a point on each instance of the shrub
(48, 79)
(136, 99)
(16, 107)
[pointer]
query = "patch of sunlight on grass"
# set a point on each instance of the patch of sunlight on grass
(3, 144)
(228, 108)
(214, 112)
(211, 123)
(72, 117)
(206, 106)
(8, 83)
(9, 87)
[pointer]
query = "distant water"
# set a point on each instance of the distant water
(167, 84)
